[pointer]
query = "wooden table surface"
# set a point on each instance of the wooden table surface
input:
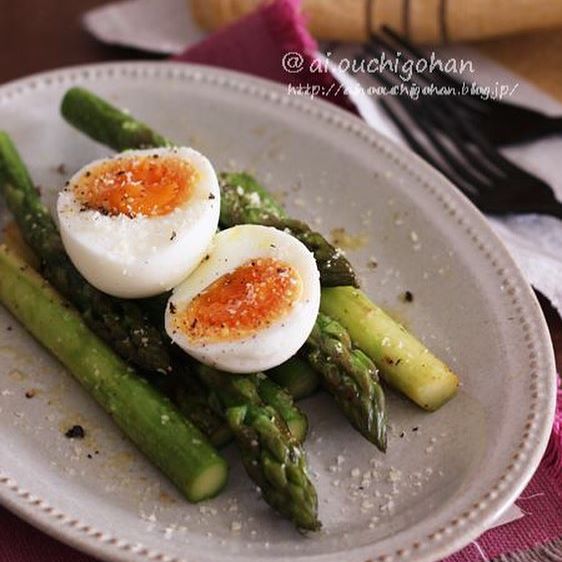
(38, 35)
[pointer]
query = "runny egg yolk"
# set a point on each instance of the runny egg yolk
(151, 185)
(242, 302)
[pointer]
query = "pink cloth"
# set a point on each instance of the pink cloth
(257, 45)
(542, 504)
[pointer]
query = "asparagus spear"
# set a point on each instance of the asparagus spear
(201, 400)
(279, 399)
(244, 201)
(117, 321)
(350, 376)
(146, 417)
(407, 378)
(193, 403)
(405, 363)
(192, 400)
(13, 239)
(296, 376)
(272, 457)
(107, 124)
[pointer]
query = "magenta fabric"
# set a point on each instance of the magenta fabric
(541, 502)
(256, 45)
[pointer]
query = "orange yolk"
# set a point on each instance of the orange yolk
(239, 304)
(150, 185)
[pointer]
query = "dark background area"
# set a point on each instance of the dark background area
(37, 35)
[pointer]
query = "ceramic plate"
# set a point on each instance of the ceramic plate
(446, 475)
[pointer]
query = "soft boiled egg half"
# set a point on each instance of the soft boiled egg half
(137, 224)
(251, 304)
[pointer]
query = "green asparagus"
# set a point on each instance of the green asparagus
(405, 363)
(272, 457)
(149, 419)
(243, 201)
(188, 394)
(107, 124)
(280, 466)
(351, 377)
(196, 402)
(278, 398)
(296, 376)
(117, 321)
(193, 403)
(191, 398)
(429, 390)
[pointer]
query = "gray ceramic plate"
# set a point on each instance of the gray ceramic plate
(446, 476)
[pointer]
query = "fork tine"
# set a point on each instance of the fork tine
(425, 118)
(421, 150)
(477, 183)
(416, 54)
(449, 128)
(437, 76)
(491, 159)
(493, 154)
(410, 139)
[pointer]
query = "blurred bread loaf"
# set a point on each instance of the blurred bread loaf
(423, 21)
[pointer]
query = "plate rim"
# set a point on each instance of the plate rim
(446, 540)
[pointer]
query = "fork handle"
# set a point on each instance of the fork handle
(553, 124)
(553, 209)
(542, 126)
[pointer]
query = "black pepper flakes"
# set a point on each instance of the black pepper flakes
(172, 308)
(408, 296)
(75, 432)
(30, 393)
(211, 196)
(415, 428)
(174, 234)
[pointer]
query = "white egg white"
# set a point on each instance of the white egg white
(143, 255)
(269, 346)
